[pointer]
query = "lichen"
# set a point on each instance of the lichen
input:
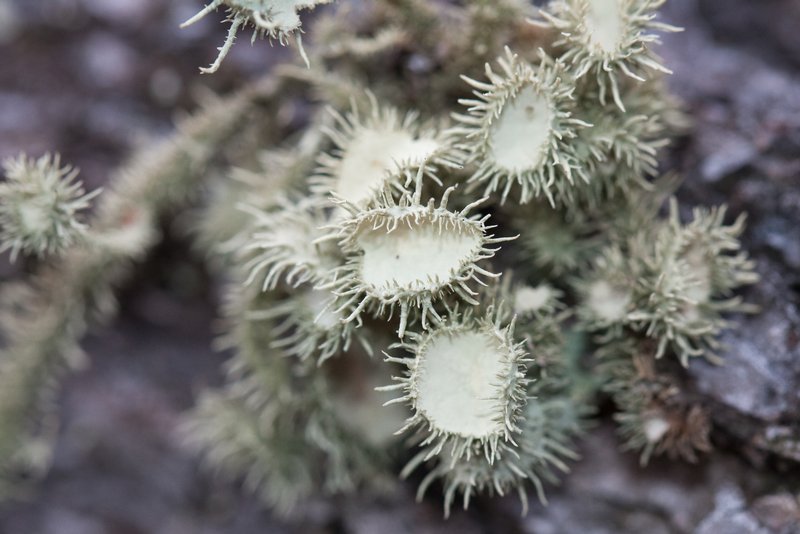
(355, 207)
(410, 255)
(273, 19)
(518, 130)
(40, 205)
(466, 386)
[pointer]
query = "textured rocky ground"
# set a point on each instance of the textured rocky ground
(92, 77)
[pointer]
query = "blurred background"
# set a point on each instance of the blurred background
(93, 79)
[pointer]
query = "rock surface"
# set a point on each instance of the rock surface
(90, 77)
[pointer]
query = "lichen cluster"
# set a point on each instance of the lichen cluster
(466, 230)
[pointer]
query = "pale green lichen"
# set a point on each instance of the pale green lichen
(378, 148)
(517, 131)
(465, 384)
(689, 274)
(607, 38)
(306, 324)
(40, 205)
(409, 255)
(282, 245)
(273, 19)
(542, 447)
(343, 213)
